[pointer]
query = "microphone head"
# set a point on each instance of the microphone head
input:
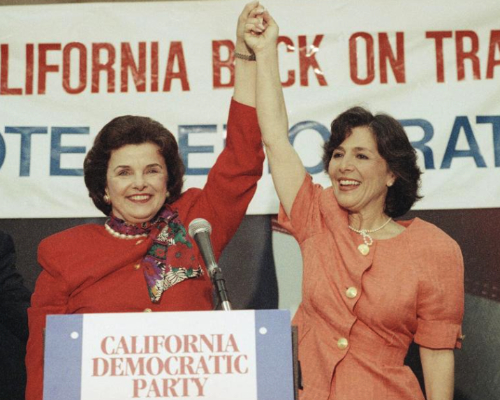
(199, 225)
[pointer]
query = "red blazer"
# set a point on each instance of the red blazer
(86, 270)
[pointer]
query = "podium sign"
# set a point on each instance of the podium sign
(211, 355)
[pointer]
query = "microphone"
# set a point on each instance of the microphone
(200, 229)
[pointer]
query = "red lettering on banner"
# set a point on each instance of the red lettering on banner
(176, 53)
(172, 343)
(116, 367)
(154, 66)
(169, 387)
(104, 347)
(139, 384)
(190, 344)
(202, 368)
(155, 369)
(106, 67)
(386, 54)
(438, 37)
(231, 343)
(128, 63)
(154, 390)
(186, 365)
(134, 367)
(492, 62)
(199, 385)
(462, 55)
(4, 76)
(307, 59)
(229, 364)
(43, 67)
(216, 364)
(237, 366)
(168, 368)
(353, 58)
(290, 48)
(122, 347)
(185, 383)
(218, 64)
(207, 343)
(30, 58)
(219, 342)
(100, 371)
(82, 67)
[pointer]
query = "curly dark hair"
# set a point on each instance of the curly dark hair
(394, 147)
(120, 132)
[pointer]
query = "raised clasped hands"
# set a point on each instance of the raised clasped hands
(258, 28)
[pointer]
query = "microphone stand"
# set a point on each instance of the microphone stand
(200, 230)
(220, 285)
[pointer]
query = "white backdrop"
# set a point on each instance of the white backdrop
(434, 66)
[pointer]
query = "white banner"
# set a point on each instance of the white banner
(66, 70)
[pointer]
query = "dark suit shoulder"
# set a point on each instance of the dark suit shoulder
(6, 245)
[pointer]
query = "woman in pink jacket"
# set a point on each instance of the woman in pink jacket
(371, 285)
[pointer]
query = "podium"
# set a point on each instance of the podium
(209, 355)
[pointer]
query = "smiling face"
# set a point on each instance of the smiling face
(360, 176)
(136, 182)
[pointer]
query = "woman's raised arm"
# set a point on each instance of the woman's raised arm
(245, 69)
(261, 35)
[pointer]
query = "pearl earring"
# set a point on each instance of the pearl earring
(107, 200)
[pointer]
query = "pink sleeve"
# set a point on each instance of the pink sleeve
(305, 218)
(440, 305)
(232, 181)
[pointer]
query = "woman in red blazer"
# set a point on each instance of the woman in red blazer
(142, 259)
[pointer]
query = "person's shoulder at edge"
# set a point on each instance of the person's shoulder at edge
(6, 243)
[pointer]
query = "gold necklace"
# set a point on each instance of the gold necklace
(364, 248)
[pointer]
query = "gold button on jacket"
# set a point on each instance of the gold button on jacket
(351, 292)
(342, 343)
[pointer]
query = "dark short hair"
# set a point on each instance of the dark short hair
(123, 131)
(394, 147)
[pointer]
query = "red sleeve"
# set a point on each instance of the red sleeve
(50, 297)
(232, 181)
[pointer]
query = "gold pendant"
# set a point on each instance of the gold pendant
(364, 249)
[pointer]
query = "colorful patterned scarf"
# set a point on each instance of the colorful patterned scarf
(171, 258)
